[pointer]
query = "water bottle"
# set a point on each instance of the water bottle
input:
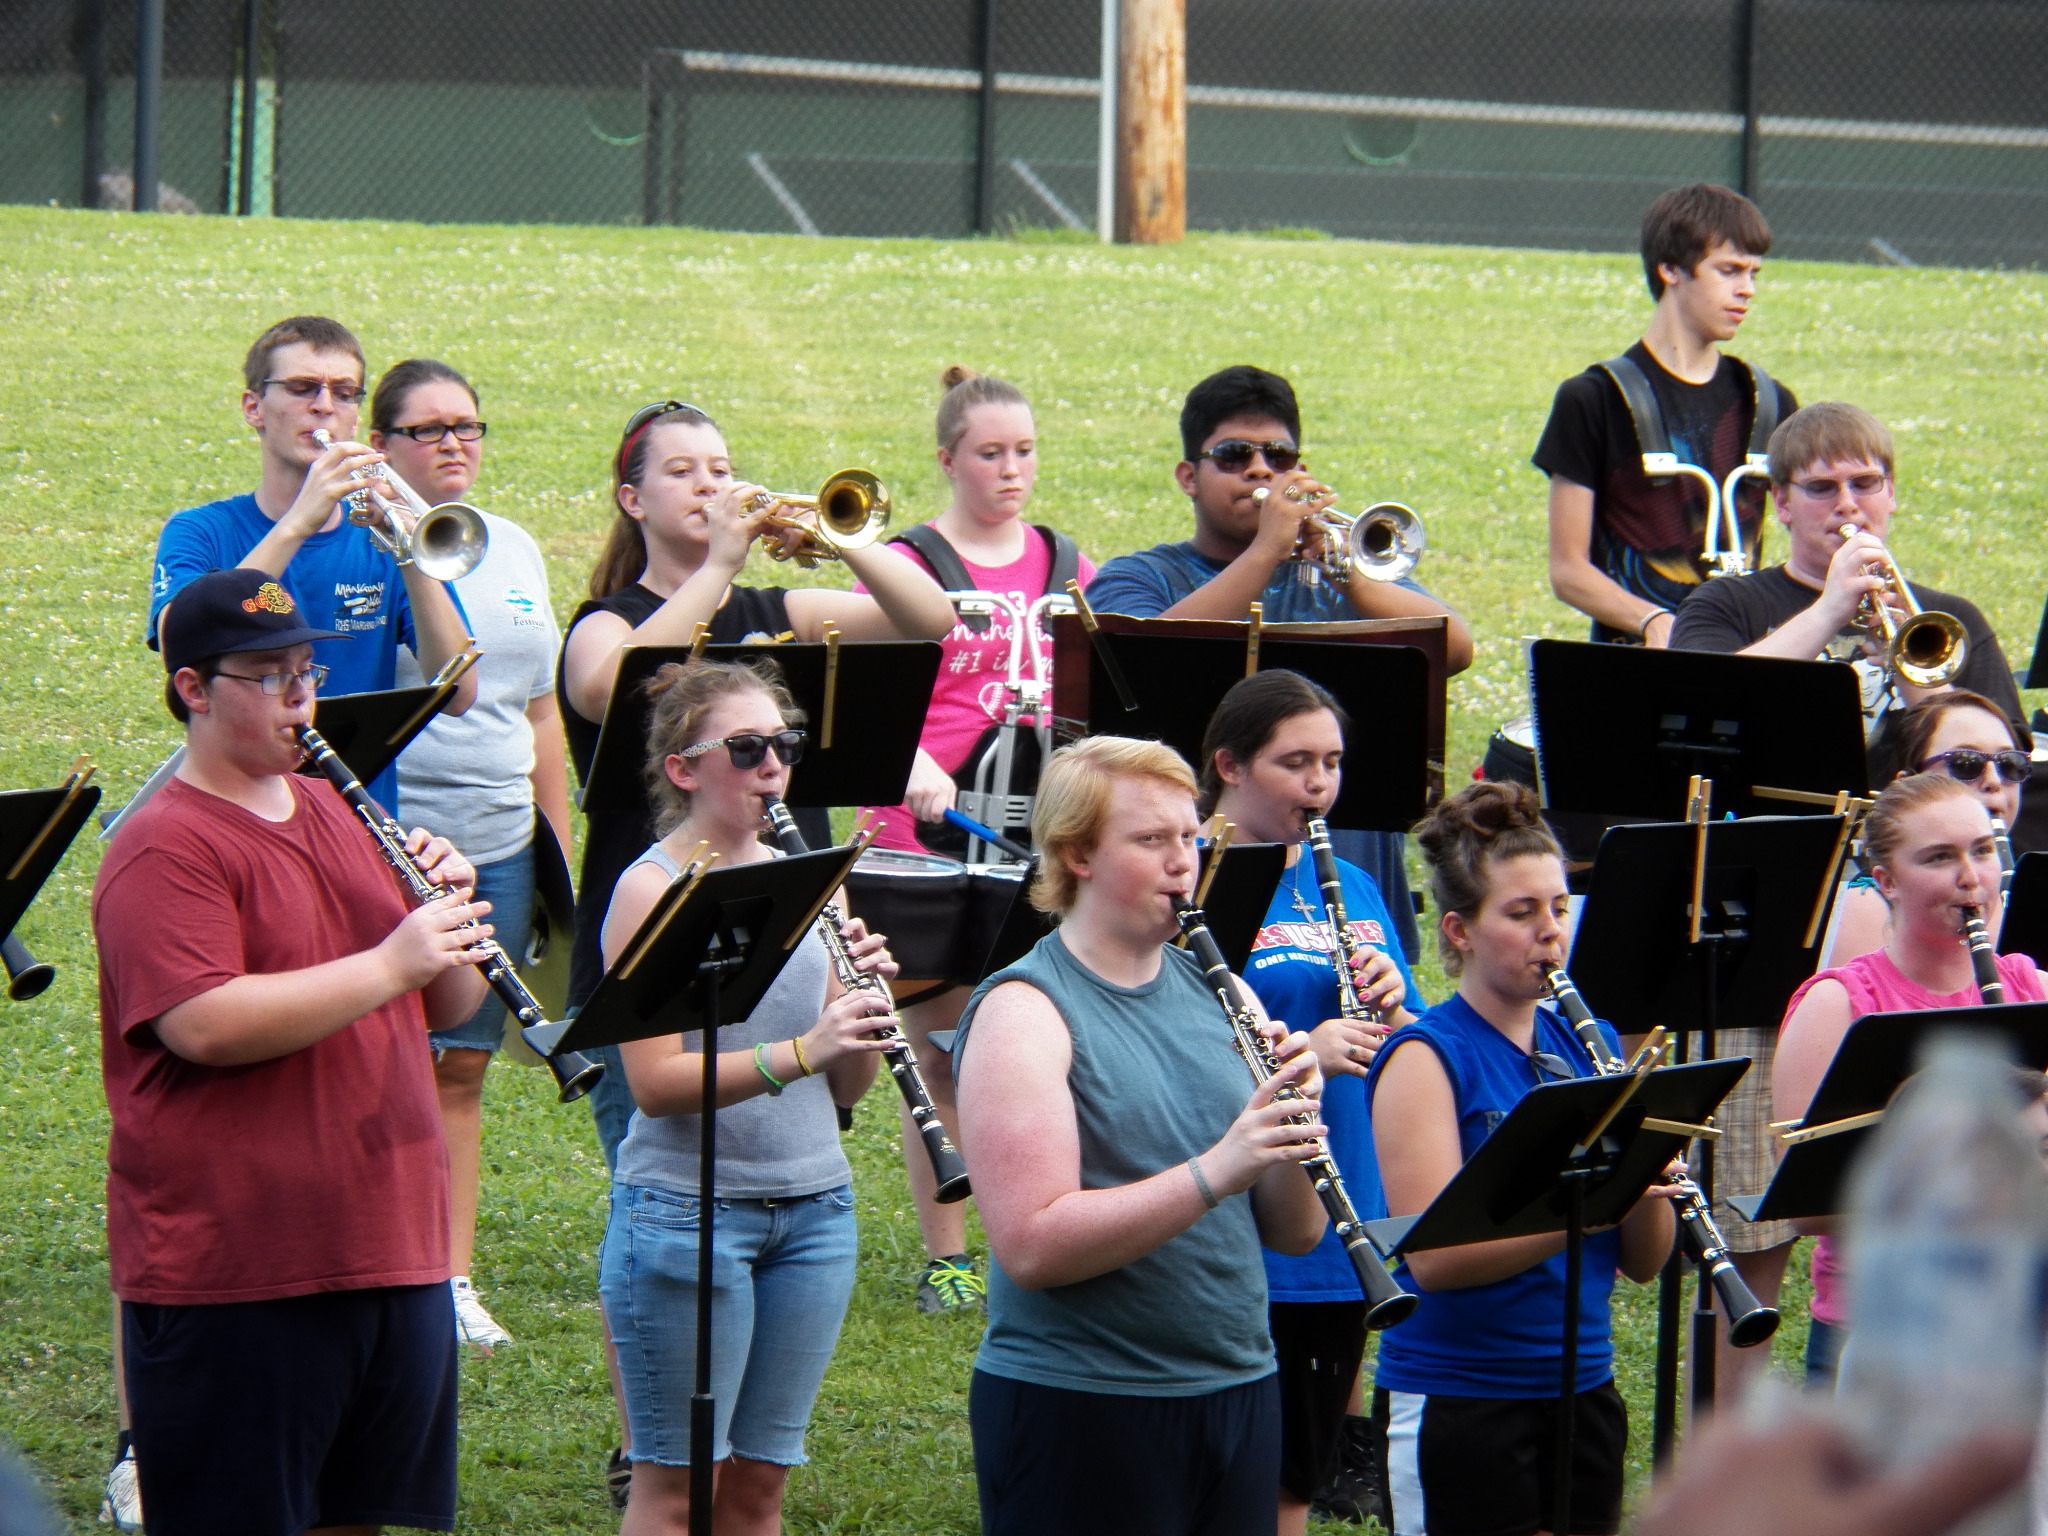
(1947, 1243)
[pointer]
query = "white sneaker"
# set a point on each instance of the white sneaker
(473, 1325)
(121, 1506)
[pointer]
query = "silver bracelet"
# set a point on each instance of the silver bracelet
(1202, 1183)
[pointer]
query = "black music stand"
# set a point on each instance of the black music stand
(1241, 894)
(710, 948)
(1876, 1056)
(2025, 929)
(1766, 886)
(36, 829)
(1571, 1155)
(2037, 666)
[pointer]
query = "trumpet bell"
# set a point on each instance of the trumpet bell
(1929, 649)
(449, 541)
(1385, 541)
(850, 511)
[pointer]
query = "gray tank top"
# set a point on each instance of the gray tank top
(1155, 1081)
(768, 1147)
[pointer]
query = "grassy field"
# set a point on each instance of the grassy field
(1425, 375)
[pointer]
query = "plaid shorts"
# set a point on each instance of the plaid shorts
(1746, 1156)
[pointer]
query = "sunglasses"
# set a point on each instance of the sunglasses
(345, 391)
(748, 749)
(1550, 1065)
(1967, 764)
(1827, 490)
(1235, 455)
(434, 431)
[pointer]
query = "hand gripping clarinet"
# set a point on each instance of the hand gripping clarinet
(575, 1073)
(1983, 958)
(1749, 1320)
(1349, 1001)
(949, 1172)
(1385, 1302)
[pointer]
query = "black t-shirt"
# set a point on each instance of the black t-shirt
(615, 835)
(1647, 536)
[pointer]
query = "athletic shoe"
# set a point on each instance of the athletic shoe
(618, 1477)
(121, 1505)
(950, 1285)
(1353, 1492)
(473, 1325)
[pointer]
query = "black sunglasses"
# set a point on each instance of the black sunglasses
(1235, 455)
(748, 748)
(1967, 764)
(344, 392)
(1556, 1066)
(645, 417)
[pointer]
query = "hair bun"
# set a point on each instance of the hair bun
(1482, 813)
(956, 375)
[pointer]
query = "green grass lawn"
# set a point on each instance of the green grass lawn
(1425, 376)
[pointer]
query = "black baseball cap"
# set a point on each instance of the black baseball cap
(227, 611)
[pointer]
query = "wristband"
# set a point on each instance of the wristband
(1202, 1183)
(761, 1066)
(803, 1066)
(1643, 629)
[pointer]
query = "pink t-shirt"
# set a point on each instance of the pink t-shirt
(968, 697)
(1875, 985)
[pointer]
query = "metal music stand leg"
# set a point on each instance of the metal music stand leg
(1664, 1409)
(1704, 1338)
(1568, 1374)
(703, 1407)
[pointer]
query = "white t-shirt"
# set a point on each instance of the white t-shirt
(465, 776)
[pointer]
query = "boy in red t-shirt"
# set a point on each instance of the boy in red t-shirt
(277, 1191)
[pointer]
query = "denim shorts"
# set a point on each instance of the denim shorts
(782, 1272)
(508, 886)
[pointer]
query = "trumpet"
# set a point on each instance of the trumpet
(446, 542)
(1382, 543)
(1927, 648)
(850, 511)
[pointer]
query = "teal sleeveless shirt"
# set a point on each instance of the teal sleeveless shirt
(1156, 1080)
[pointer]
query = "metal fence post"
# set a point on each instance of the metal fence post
(985, 138)
(1105, 128)
(149, 84)
(1745, 92)
(252, 77)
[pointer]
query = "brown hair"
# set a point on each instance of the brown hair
(682, 695)
(317, 332)
(1687, 222)
(401, 379)
(1477, 827)
(1249, 715)
(964, 390)
(1827, 432)
(1884, 828)
(1073, 804)
(1916, 726)
(624, 555)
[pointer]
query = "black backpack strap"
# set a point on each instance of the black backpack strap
(947, 566)
(1769, 409)
(1641, 399)
(1066, 558)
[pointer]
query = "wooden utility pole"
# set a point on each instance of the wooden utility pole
(1152, 123)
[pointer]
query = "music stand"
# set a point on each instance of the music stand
(2037, 667)
(1570, 1155)
(1763, 888)
(2025, 929)
(1240, 896)
(36, 830)
(1876, 1056)
(712, 945)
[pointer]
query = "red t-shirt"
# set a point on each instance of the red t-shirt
(323, 1170)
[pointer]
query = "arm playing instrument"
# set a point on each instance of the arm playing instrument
(949, 1171)
(1385, 1302)
(575, 1073)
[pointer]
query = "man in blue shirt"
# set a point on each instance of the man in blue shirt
(305, 375)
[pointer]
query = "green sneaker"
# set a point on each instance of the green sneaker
(950, 1284)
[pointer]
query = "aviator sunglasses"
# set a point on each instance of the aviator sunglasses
(748, 748)
(1234, 455)
(1967, 764)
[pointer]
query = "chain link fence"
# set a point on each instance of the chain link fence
(1904, 131)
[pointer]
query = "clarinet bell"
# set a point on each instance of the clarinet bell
(1386, 1304)
(27, 976)
(1753, 1328)
(575, 1075)
(1750, 1322)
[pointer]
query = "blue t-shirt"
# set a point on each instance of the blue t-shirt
(340, 579)
(1504, 1339)
(1145, 584)
(1293, 972)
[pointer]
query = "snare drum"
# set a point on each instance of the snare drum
(918, 901)
(997, 914)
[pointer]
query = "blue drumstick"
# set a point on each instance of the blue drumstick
(988, 835)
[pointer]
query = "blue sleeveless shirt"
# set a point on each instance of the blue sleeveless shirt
(1505, 1339)
(1156, 1080)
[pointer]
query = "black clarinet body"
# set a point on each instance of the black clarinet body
(575, 1074)
(949, 1170)
(2001, 839)
(1349, 1003)
(1983, 958)
(27, 976)
(1386, 1304)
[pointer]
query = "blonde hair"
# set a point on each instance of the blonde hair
(1073, 803)
(683, 695)
(964, 390)
(1884, 828)
(1828, 432)
(1465, 836)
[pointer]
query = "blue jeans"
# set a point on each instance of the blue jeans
(507, 885)
(782, 1274)
(1824, 1342)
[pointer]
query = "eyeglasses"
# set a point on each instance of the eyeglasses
(748, 749)
(1860, 486)
(1555, 1066)
(1234, 455)
(275, 683)
(434, 431)
(1968, 764)
(345, 391)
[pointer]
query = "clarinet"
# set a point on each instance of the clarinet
(575, 1073)
(1385, 1302)
(948, 1170)
(1749, 1320)
(2001, 839)
(1983, 958)
(1349, 1003)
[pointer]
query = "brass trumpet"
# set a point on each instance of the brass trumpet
(1927, 648)
(1382, 543)
(850, 511)
(446, 542)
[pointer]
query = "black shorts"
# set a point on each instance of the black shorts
(1319, 1344)
(1094, 1464)
(1483, 1466)
(260, 1417)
